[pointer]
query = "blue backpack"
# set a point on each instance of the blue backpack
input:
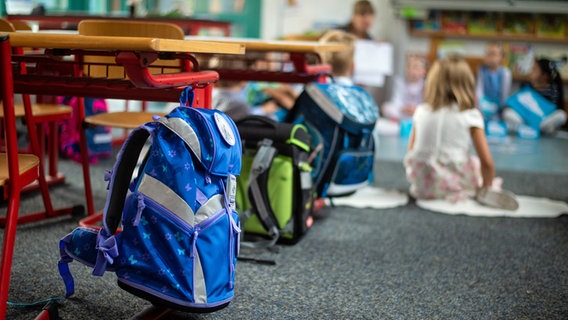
(340, 119)
(180, 232)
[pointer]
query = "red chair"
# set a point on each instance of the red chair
(16, 170)
(45, 116)
(36, 116)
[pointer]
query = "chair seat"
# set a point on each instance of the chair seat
(122, 119)
(42, 111)
(26, 162)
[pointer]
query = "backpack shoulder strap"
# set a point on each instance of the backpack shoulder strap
(260, 204)
(124, 168)
(122, 176)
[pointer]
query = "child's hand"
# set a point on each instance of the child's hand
(409, 109)
(282, 97)
(270, 106)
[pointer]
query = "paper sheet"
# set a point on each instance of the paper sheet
(373, 61)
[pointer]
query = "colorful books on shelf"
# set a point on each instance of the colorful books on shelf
(454, 22)
(482, 23)
(518, 23)
(550, 25)
(432, 23)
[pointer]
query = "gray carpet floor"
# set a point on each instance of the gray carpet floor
(400, 263)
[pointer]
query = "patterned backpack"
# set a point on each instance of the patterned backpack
(179, 240)
(340, 119)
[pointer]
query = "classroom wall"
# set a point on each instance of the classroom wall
(278, 20)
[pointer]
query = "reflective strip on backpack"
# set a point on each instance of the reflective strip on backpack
(185, 132)
(210, 208)
(325, 103)
(166, 197)
(199, 290)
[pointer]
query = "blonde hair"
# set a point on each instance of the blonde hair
(341, 62)
(497, 45)
(450, 80)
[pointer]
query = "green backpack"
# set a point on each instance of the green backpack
(274, 191)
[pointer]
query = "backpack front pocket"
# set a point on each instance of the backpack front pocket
(353, 170)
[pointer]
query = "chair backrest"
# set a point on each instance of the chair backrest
(6, 25)
(124, 28)
(21, 25)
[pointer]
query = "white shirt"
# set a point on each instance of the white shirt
(344, 81)
(443, 134)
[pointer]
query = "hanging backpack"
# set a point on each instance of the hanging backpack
(99, 138)
(179, 239)
(340, 120)
(274, 190)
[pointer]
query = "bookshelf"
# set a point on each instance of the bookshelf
(510, 28)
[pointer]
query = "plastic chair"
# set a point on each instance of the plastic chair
(21, 25)
(16, 171)
(36, 116)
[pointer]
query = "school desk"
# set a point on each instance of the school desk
(54, 70)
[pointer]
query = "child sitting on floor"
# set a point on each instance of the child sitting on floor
(493, 82)
(545, 81)
(438, 163)
(407, 92)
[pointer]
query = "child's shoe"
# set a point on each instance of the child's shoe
(500, 199)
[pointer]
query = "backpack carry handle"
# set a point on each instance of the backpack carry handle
(256, 128)
(186, 97)
(265, 121)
